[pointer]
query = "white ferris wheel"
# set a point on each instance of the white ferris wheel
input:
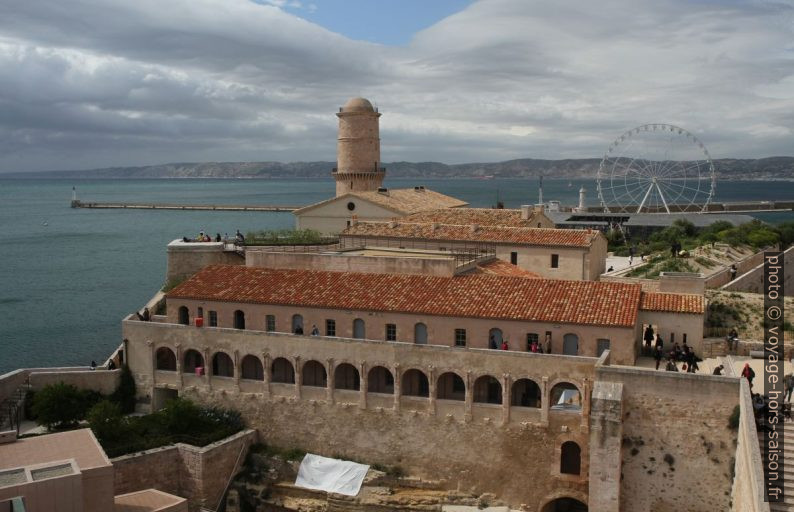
(656, 168)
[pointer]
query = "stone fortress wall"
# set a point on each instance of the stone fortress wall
(512, 451)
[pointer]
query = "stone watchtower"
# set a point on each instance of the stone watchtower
(358, 148)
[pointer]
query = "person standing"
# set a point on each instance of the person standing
(733, 272)
(748, 374)
(788, 384)
(657, 354)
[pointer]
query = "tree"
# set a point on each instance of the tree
(59, 405)
(106, 421)
(124, 394)
(786, 231)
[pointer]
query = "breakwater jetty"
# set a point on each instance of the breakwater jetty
(170, 206)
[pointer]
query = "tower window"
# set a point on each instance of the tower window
(351, 205)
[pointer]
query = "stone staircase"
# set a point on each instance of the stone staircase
(788, 473)
(12, 409)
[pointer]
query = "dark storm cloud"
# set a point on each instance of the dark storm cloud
(100, 83)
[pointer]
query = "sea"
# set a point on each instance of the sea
(68, 276)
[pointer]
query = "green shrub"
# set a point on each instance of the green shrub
(106, 420)
(181, 416)
(59, 406)
(124, 394)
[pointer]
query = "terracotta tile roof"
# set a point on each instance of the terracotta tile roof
(488, 234)
(502, 268)
(409, 200)
(481, 216)
(474, 296)
(672, 302)
(402, 201)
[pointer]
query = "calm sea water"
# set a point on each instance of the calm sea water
(70, 275)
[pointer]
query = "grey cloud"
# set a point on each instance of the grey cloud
(93, 83)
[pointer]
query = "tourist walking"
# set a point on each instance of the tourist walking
(748, 374)
(657, 355)
(733, 272)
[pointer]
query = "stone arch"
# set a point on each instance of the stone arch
(420, 333)
(564, 501)
(525, 393)
(415, 383)
(565, 395)
(380, 380)
(570, 458)
(487, 390)
(282, 371)
(314, 374)
(184, 315)
(251, 368)
(450, 386)
(346, 377)
(239, 319)
(165, 359)
(222, 365)
(192, 360)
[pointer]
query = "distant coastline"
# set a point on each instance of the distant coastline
(762, 169)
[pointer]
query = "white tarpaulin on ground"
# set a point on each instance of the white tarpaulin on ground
(331, 475)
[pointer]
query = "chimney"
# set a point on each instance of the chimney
(354, 220)
(526, 211)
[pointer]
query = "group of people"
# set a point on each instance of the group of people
(678, 353)
(239, 239)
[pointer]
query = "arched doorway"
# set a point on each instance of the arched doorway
(565, 505)
(526, 393)
(487, 390)
(451, 387)
(282, 371)
(346, 377)
(415, 383)
(251, 368)
(570, 345)
(570, 458)
(566, 397)
(495, 338)
(192, 360)
(358, 329)
(165, 359)
(314, 374)
(222, 365)
(380, 380)
(184, 315)
(420, 334)
(297, 324)
(239, 319)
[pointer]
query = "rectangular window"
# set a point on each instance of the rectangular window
(213, 319)
(391, 332)
(532, 339)
(270, 323)
(672, 338)
(330, 327)
(602, 344)
(555, 261)
(460, 337)
(684, 337)
(514, 258)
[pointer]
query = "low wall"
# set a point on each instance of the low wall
(103, 381)
(441, 267)
(648, 285)
(747, 494)
(199, 474)
(677, 449)
(723, 277)
(185, 259)
(752, 281)
(11, 381)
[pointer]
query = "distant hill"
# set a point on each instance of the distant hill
(772, 168)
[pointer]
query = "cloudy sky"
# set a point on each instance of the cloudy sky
(96, 83)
